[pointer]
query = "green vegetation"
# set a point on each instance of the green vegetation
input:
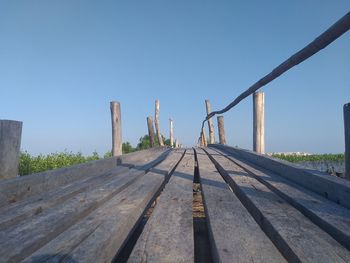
(310, 158)
(29, 164)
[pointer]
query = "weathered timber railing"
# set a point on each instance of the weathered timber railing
(322, 41)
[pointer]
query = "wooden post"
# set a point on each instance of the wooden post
(210, 123)
(157, 124)
(347, 139)
(204, 139)
(258, 122)
(171, 133)
(10, 143)
(116, 128)
(150, 131)
(221, 128)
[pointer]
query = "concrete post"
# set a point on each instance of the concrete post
(10, 144)
(210, 123)
(347, 139)
(204, 139)
(150, 131)
(221, 128)
(258, 123)
(116, 129)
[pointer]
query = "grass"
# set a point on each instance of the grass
(311, 158)
(29, 164)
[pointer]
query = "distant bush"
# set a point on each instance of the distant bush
(29, 164)
(310, 158)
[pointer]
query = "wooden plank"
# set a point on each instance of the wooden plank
(100, 235)
(19, 211)
(332, 218)
(15, 190)
(235, 236)
(17, 242)
(296, 236)
(168, 234)
(331, 187)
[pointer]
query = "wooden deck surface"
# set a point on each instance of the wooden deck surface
(139, 208)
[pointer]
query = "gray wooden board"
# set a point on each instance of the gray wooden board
(17, 189)
(13, 214)
(18, 211)
(294, 234)
(332, 187)
(168, 234)
(331, 217)
(235, 236)
(19, 241)
(99, 236)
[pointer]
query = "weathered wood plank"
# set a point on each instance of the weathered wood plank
(331, 187)
(235, 236)
(100, 235)
(20, 211)
(332, 218)
(296, 236)
(15, 190)
(168, 234)
(19, 241)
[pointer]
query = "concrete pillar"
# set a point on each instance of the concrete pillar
(221, 129)
(347, 139)
(116, 129)
(258, 122)
(10, 144)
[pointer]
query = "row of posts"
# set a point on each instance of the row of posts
(259, 128)
(117, 130)
(11, 132)
(258, 125)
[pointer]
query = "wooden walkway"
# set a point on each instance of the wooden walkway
(139, 208)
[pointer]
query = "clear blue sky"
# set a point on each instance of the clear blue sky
(62, 62)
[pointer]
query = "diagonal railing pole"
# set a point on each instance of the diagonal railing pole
(322, 41)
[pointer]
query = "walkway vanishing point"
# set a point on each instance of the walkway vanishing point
(213, 203)
(138, 207)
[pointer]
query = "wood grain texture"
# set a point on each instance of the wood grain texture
(296, 236)
(168, 234)
(259, 122)
(332, 218)
(221, 130)
(210, 122)
(333, 188)
(235, 236)
(99, 236)
(116, 128)
(150, 131)
(15, 190)
(157, 123)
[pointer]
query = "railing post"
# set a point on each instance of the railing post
(204, 139)
(10, 143)
(150, 131)
(157, 124)
(116, 128)
(210, 123)
(258, 122)
(171, 124)
(347, 139)
(221, 129)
